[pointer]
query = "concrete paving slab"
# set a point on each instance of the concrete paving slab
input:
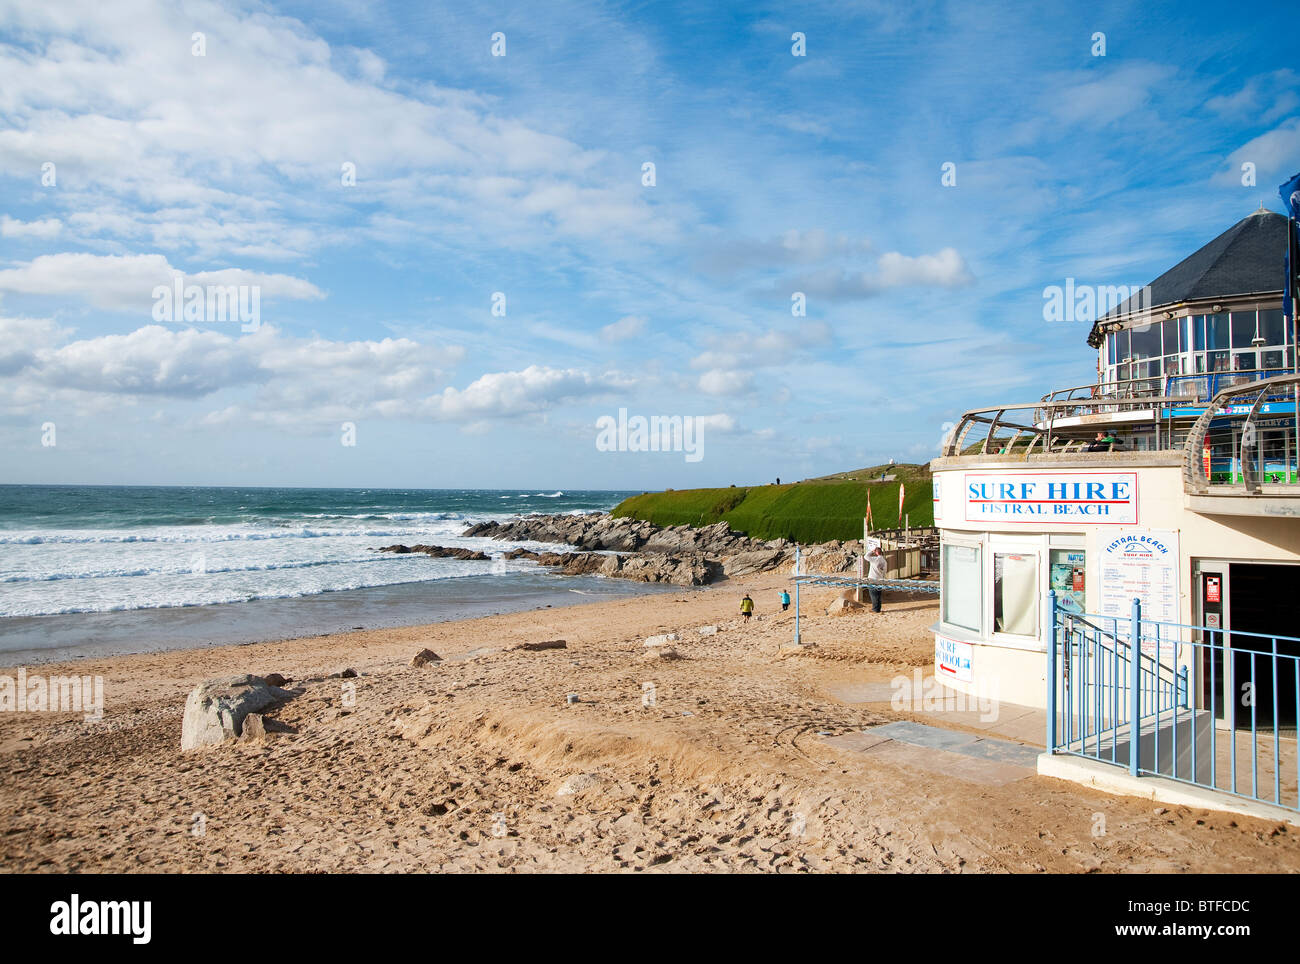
(918, 734)
(1003, 751)
(956, 765)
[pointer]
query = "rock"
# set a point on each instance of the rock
(254, 728)
(841, 606)
(665, 653)
(661, 640)
(572, 698)
(348, 673)
(424, 657)
(546, 644)
(275, 679)
(215, 710)
(578, 783)
(440, 552)
(708, 630)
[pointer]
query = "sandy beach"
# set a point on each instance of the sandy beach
(478, 763)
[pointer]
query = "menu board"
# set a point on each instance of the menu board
(1140, 564)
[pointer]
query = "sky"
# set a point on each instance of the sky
(463, 260)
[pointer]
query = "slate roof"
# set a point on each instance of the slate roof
(1248, 258)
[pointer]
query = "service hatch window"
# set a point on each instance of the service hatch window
(961, 579)
(1015, 593)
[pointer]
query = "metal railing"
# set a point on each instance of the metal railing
(1226, 445)
(1133, 693)
(1031, 426)
(1189, 388)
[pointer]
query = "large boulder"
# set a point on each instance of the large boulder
(215, 710)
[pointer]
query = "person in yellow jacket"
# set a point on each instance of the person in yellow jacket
(746, 606)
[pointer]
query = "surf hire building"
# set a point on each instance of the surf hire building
(1126, 554)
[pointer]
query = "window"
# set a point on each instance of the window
(1146, 342)
(1270, 327)
(962, 575)
(1015, 593)
(1243, 328)
(1170, 331)
(1216, 331)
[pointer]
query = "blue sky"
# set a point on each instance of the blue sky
(523, 174)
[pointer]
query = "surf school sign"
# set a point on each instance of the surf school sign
(1099, 498)
(952, 659)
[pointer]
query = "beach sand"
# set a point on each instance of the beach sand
(461, 766)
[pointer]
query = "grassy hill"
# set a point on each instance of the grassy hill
(814, 510)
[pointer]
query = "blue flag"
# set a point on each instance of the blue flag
(1290, 193)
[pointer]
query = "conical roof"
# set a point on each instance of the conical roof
(1248, 258)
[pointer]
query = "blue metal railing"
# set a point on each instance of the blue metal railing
(1208, 384)
(1196, 704)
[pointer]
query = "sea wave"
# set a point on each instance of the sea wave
(195, 571)
(214, 599)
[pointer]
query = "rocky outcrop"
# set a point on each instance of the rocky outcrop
(677, 555)
(440, 552)
(216, 710)
(599, 531)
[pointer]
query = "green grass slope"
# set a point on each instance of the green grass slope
(815, 510)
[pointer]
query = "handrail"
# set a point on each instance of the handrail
(1195, 478)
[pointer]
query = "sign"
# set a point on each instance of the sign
(1205, 458)
(1099, 498)
(1213, 589)
(952, 660)
(934, 483)
(1067, 578)
(1140, 564)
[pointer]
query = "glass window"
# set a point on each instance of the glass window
(1015, 593)
(1169, 333)
(1216, 331)
(961, 578)
(1110, 348)
(1273, 359)
(1270, 327)
(1146, 342)
(1121, 346)
(1243, 328)
(1214, 361)
(1198, 332)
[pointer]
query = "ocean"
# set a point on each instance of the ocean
(93, 570)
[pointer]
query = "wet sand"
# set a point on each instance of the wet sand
(464, 766)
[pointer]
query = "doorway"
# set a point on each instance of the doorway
(1237, 599)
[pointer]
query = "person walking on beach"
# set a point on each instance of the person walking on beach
(879, 569)
(746, 607)
(785, 600)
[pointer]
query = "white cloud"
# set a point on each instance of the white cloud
(239, 153)
(504, 394)
(128, 281)
(945, 268)
(44, 229)
(1273, 153)
(629, 326)
(717, 381)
